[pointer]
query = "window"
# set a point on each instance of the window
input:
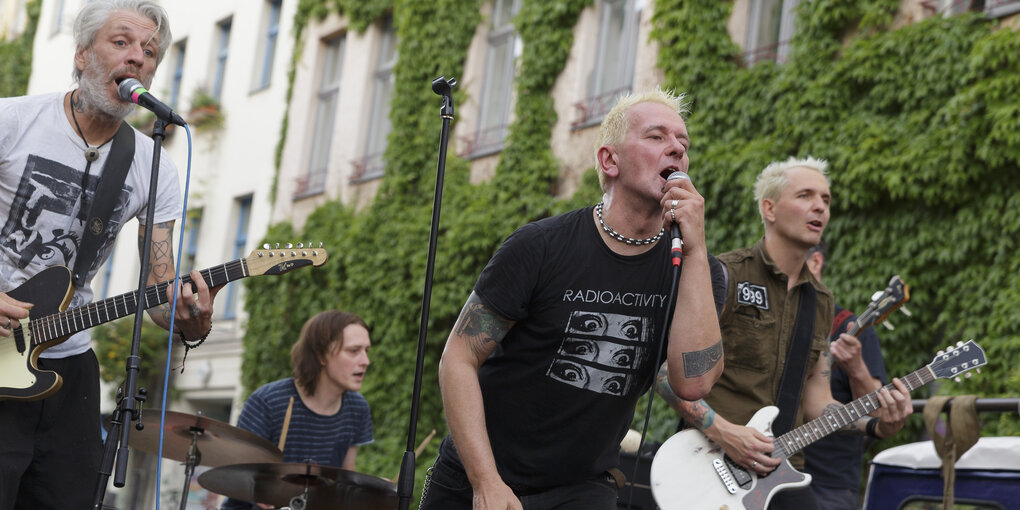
(268, 46)
(372, 166)
(314, 181)
(175, 81)
(58, 17)
(613, 72)
(242, 208)
(223, 50)
(769, 29)
(999, 8)
(497, 86)
(193, 227)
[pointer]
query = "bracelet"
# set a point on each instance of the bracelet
(869, 429)
(191, 344)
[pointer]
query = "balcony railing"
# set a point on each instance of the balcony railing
(591, 110)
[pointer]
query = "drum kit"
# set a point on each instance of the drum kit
(250, 468)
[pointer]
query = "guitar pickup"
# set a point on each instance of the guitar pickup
(740, 475)
(19, 339)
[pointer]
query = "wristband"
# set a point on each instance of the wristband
(869, 429)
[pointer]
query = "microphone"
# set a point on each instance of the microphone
(676, 250)
(132, 91)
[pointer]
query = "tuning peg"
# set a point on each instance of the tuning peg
(906, 311)
(876, 295)
(265, 246)
(941, 352)
(277, 246)
(300, 245)
(290, 245)
(888, 325)
(960, 343)
(957, 379)
(320, 244)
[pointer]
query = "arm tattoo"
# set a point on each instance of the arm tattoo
(161, 250)
(479, 325)
(699, 414)
(827, 362)
(663, 388)
(698, 363)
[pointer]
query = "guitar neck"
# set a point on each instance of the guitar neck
(832, 421)
(93, 314)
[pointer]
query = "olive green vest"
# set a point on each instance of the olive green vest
(757, 324)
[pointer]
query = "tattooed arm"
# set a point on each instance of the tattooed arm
(475, 336)
(695, 351)
(194, 309)
(745, 445)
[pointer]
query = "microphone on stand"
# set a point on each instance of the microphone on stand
(132, 91)
(676, 250)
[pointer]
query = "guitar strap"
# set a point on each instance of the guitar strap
(111, 182)
(788, 397)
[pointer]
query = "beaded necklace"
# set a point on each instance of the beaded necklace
(622, 238)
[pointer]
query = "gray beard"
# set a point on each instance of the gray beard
(93, 94)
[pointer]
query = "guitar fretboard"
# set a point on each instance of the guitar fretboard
(800, 437)
(81, 318)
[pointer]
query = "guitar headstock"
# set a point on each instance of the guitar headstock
(955, 361)
(885, 302)
(279, 259)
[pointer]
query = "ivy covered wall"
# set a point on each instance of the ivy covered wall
(16, 55)
(920, 124)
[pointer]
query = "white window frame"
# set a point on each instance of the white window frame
(269, 37)
(494, 114)
(177, 78)
(223, 31)
(601, 96)
(326, 104)
(787, 17)
(371, 165)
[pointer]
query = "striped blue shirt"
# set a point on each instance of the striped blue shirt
(323, 439)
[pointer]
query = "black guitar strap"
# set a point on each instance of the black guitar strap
(111, 182)
(788, 397)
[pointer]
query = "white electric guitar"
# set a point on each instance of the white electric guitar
(690, 472)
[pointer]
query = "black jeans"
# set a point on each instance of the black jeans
(50, 449)
(447, 488)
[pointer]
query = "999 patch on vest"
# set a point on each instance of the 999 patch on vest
(753, 295)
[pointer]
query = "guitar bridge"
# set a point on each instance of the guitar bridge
(724, 476)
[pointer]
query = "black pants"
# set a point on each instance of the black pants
(447, 488)
(50, 449)
(800, 498)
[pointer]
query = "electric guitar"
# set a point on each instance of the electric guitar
(882, 304)
(48, 323)
(689, 471)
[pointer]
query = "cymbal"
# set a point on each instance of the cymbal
(218, 443)
(329, 488)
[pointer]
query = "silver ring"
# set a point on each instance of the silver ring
(8, 326)
(753, 464)
(673, 204)
(672, 216)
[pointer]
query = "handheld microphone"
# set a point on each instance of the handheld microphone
(676, 250)
(132, 91)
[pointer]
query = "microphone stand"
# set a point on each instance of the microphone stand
(676, 259)
(128, 407)
(405, 485)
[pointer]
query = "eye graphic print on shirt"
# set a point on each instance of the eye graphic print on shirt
(602, 352)
(39, 228)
